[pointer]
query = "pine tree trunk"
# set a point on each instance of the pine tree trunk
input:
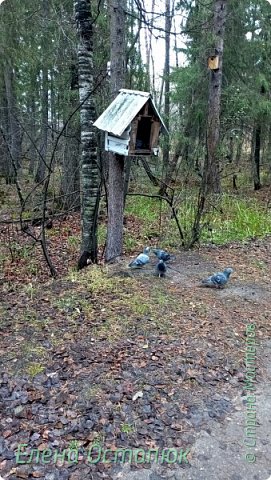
(239, 150)
(212, 168)
(257, 150)
(32, 133)
(256, 158)
(41, 170)
(14, 136)
(148, 48)
(4, 156)
(116, 162)
(89, 172)
(166, 95)
(5, 161)
(70, 180)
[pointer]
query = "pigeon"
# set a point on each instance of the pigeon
(217, 280)
(161, 268)
(161, 254)
(141, 260)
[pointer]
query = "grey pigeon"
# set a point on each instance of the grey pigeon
(141, 260)
(218, 280)
(161, 268)
(161, 254)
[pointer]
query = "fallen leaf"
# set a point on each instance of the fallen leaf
(137, 395)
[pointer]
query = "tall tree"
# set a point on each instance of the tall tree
(116, 162)
(70, 180)
(212, 168)
(166, 146)
(41, 170)
(89, 171)
(9, 46)
(13, 138)
(5, 163)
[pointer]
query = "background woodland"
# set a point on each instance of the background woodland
(62, 62)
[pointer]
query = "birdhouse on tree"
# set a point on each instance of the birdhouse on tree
(132, 124)
(213, 62)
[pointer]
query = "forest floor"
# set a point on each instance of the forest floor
(125, 360)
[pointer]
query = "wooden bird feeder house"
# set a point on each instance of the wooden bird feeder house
(213, 62)
(132, 124)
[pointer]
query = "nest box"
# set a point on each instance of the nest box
(132, 124)
(213, 62)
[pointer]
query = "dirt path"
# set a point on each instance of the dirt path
(136, 362)
(219, 452)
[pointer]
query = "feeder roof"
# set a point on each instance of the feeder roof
(120, 113)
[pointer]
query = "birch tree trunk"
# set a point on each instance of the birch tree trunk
(211, 174)
(89, 172)
(116, 162)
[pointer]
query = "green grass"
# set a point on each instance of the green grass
(21, 251)
(142, 207)
(130, 243)
(74, 241)
(34, 369)
(102, 234)
(127, 428)
(229, 218)
(241, 219)
(30, 289)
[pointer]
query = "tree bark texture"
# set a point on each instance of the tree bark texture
(212, 168)
(257, 158)
(89, 171)
(116, 162)
(32, 132)
(257, 134)
(41, 170)
(5, 161)
(70, 179)
(166, 95)
(13, 137)
(166, 85)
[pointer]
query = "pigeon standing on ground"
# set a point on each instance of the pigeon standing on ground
(217, 280)
(161, 254)
(141, 260)
(161, 268)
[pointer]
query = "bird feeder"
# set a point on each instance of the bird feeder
(213, 62)
(132, 124)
